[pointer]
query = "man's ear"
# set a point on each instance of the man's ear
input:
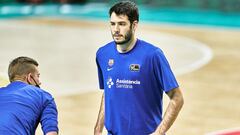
(29, 78)
(134, 25)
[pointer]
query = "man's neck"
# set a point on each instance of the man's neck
(20, 79)
(124, 48)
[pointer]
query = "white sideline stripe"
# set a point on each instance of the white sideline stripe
(199, 63)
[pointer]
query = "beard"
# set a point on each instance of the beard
(127, 38)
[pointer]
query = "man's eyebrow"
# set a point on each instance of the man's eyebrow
(117, 22)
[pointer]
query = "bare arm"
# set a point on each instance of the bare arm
(171, 113)
(100, 121)
(52, 133)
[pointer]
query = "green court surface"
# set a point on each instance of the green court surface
(147, 14)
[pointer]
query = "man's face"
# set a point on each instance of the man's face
(34, 77)
(121, 28)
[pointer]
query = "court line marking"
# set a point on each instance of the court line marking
(224, 131)
(154, 36)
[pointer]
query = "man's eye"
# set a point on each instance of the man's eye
(122, 24)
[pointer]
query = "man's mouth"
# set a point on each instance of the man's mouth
(117, 35)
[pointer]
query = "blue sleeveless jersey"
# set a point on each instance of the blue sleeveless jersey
(133, 84)
(23, 107)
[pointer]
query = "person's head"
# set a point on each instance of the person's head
(24, 69)
(124, 18)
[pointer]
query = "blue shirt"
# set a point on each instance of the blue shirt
(133, 84)
(23, 107)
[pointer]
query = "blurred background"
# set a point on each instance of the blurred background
(223, 5)
(200, 38)
(215, 12)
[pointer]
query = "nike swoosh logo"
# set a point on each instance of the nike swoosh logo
(108, 69)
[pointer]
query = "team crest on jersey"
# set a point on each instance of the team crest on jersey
(110, 62)
(134, 67)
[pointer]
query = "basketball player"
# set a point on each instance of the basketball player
(23, 104)
(134, 75)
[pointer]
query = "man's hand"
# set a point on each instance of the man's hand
(97, 132)
(52, 133)
(157, 133)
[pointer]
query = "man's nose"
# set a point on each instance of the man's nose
(116, 28)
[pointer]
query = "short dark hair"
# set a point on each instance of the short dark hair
(21, 66)
(126, 8)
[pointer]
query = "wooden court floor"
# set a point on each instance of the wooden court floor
(212, 93)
